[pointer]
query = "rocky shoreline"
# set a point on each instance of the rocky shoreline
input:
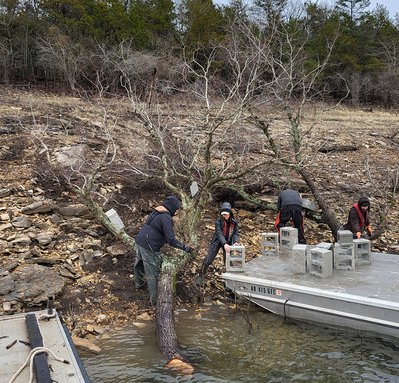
(49, 250)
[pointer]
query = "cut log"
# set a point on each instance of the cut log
(338, 148)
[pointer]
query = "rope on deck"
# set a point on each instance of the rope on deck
(29, 360)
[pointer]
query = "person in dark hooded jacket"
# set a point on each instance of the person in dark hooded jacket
(157, 231)
(289, 207)
(358, 218)
(225, 235)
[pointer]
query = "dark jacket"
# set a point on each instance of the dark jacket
(218, 236)
(158, 228)
(288, 197)
(357, 220)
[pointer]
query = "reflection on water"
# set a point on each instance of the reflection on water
(222, 349)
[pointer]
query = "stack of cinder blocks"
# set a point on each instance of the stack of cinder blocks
(235, 259)
(344, 255)
(269, 244)
(289, 247)
(288, 239)
(362, 251)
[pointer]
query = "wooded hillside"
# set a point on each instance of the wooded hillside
(76, 44)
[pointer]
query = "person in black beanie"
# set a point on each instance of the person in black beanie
(358, 219)
(157, 231)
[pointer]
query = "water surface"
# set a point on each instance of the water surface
(219, 342)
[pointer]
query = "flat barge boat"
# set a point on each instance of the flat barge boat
(365, 299)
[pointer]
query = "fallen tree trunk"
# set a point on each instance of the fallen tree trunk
(313, 215)
(165, 324)
(328, 215)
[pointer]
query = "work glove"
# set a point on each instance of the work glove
(358, 234)
(188, 249)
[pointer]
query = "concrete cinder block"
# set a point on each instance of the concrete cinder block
(344, 257)
(235, 259)
(344, 237)
(344, 263)
(325, 245)
(115, 219)
(298, 259)
(288, 237)
(269, 244)
(321, 263)
(362, 251)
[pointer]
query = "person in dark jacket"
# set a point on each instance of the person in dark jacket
(157, 231)
(289, 207)
(225, 235)
(358, 219)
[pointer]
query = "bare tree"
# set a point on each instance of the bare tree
(57, 53)
(290, 87)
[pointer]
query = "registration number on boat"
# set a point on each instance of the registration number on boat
(266, 290)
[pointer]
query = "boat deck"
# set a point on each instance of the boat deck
(16, 344)
(366, 298)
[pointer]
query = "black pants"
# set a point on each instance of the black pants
(294, 213)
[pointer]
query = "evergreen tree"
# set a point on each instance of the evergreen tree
(201, 23)
(152, 21)
(354, 10)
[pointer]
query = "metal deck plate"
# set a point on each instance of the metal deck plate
(13, 327)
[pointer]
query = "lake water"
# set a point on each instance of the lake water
(222, 348)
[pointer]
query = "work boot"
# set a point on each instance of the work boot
(199, 280)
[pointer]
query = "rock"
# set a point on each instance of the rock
(85, 344)
(117, 249)
(94, 244)
(72, 247)
(47, 261)
(5, 192)
(86, 257)
(38, 207)
(21, 240)
(102, 318)
(11, 266)
(32, 235)
(21, 222)
(4, 217)
(144, 316)
(5, 226)
(67, 273)
(73, 210)
(71, 155)
(140, 325)
(92, 233)
(3, 246)
(35, 283)
(6, 284)
(180, 366)
(26, 255)
(45, 238)
(6, 306)
(55, 219)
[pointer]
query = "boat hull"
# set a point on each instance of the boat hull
(340, 302)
